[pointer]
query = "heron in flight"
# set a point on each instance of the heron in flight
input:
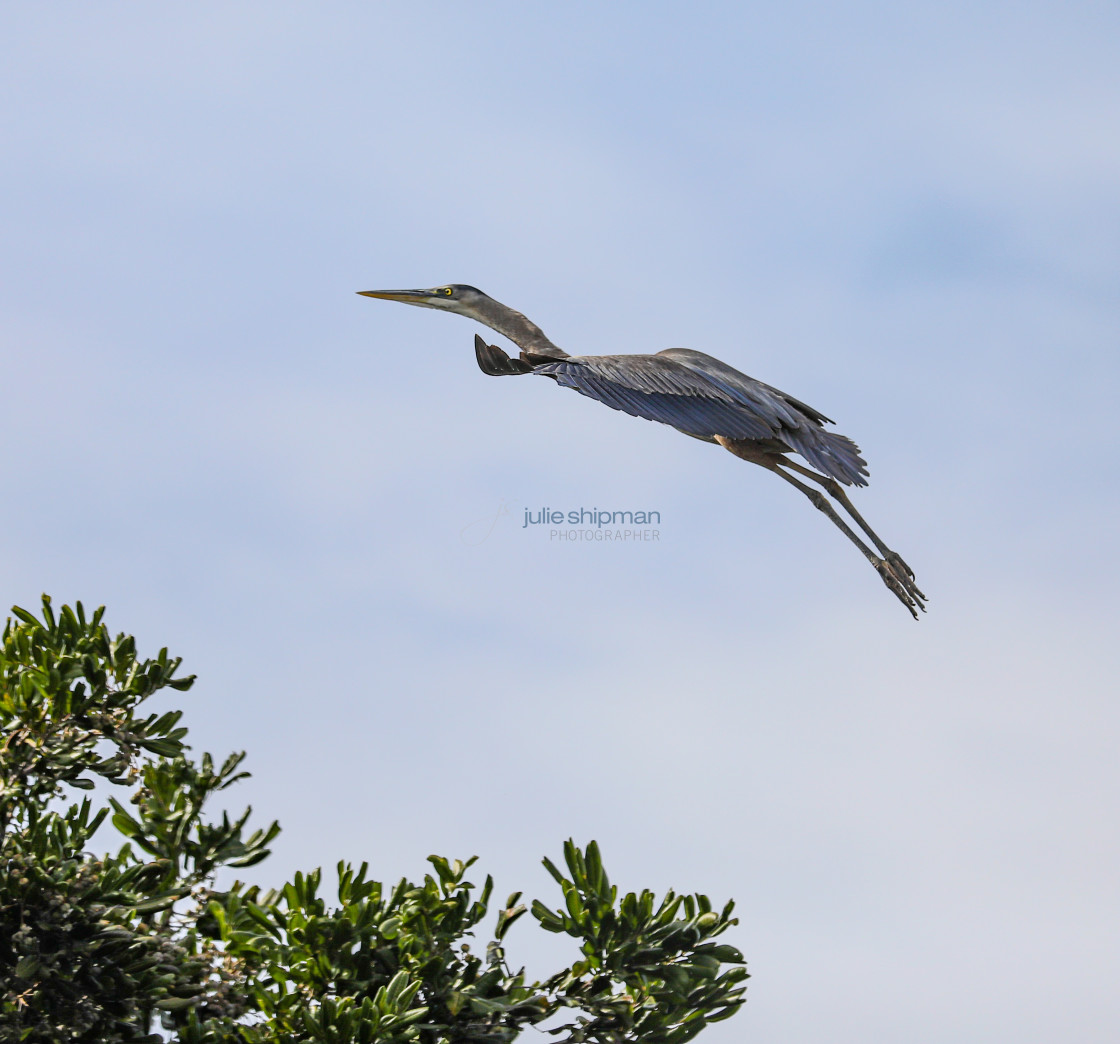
(699, 396)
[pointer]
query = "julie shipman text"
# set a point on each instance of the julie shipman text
(585, 516)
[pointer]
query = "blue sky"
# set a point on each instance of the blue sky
(907, 216)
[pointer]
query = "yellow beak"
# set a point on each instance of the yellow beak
(407, 296)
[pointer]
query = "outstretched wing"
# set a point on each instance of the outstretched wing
(661, 389)
(704, 397)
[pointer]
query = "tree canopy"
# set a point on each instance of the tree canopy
(106, 947)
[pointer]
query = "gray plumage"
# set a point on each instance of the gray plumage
(698, 395)
(704, 397)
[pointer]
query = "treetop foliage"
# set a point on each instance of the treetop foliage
(102, 947)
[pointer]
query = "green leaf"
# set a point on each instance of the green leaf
(126, 824)
(550, 866)
(157, 903)
(723, 952)
(575, 905)
(548, 919)
(176, 1003)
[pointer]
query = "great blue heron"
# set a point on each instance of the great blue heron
(699, 396)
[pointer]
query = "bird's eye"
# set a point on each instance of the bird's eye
(447, 290)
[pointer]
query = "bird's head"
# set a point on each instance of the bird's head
(452, 297)
(474, 304)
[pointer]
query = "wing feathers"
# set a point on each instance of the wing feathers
(702, 396)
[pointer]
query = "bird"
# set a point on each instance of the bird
(698, 395)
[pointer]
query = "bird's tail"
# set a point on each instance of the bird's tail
(835, 455)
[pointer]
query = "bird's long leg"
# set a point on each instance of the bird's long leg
(903, 588)
(836, 491)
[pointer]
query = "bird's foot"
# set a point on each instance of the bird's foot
(894, 559)
(899, 577)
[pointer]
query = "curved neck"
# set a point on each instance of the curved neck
(525, 334)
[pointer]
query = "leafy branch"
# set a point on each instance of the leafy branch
(93, 948)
